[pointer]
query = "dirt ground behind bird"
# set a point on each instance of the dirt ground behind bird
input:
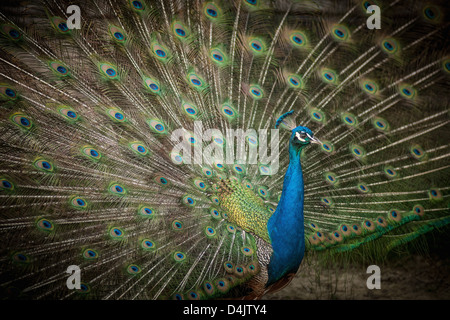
(416, 276)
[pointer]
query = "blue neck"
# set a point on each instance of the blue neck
(285, 226)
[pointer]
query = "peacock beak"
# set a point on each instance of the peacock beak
(315, 140)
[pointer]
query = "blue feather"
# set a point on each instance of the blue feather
(286, 225)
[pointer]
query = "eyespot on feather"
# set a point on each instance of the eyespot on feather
(381, 222)
(239, 271)
(417, 152)
(435, 194)
(222, 285)
(116, 233)
(109, 71)
(160, 52)
(256, 92)
(146, 211)
(368, 225)
(152, 85)
(369, 86)
(60, 25)
(133, 269)
(117, 189)
(329, 76)
(148, 245)
(117, 34)
(44, 165)
(196, 81)
(45, 225)
(394, 215)
(91, 152)
(188, 201)
(212, 11)
(90, 254)
(179, 256)
(432, 13)
(215, 213)
(84, 289)
(11, 32)
(331, 178)
(265, 169)
(177, 225)
(78, 202)
(6, 184)
(194, 295)
(340, 33)
(161, 180)
(137, 5)
(176, 158)
(180, 30)
(418, 210)
(356, 229)
(327, 201)
(200, 184)
(358, 151)
(337, 236)
(208, 287)
(139, 148)
(21, 120)
(407, 91)
(247, 251)
(327, 147)
(7, 92)
(157, 126)
(298, 39)
(228, 111)
(263, 191)
(390, 46)
(231, 228)
(69, 113)
(207, 172)
(257, 46)
(178, 296)
(210, 232)
(59, 68)
(21, 258)
(190, 110)
(363, 188)
(380, 124)
(349, 119)
(215, 200)
(218, 57)
(345, 230)
(294, 81)
(390, 172)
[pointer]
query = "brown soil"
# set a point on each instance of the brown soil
(414, 277)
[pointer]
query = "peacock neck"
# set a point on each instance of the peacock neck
(285, 227)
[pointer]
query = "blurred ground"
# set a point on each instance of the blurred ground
(416, 276)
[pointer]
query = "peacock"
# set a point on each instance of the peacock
(167, 149)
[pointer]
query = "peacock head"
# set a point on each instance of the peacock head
(302, 136)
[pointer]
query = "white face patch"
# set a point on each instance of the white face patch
(312, 139)
(297, 135)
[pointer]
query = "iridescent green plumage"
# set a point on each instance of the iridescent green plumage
(244, 208)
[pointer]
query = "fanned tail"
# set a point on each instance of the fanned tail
(101, 129)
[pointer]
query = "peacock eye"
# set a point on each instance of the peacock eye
(303, 135)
